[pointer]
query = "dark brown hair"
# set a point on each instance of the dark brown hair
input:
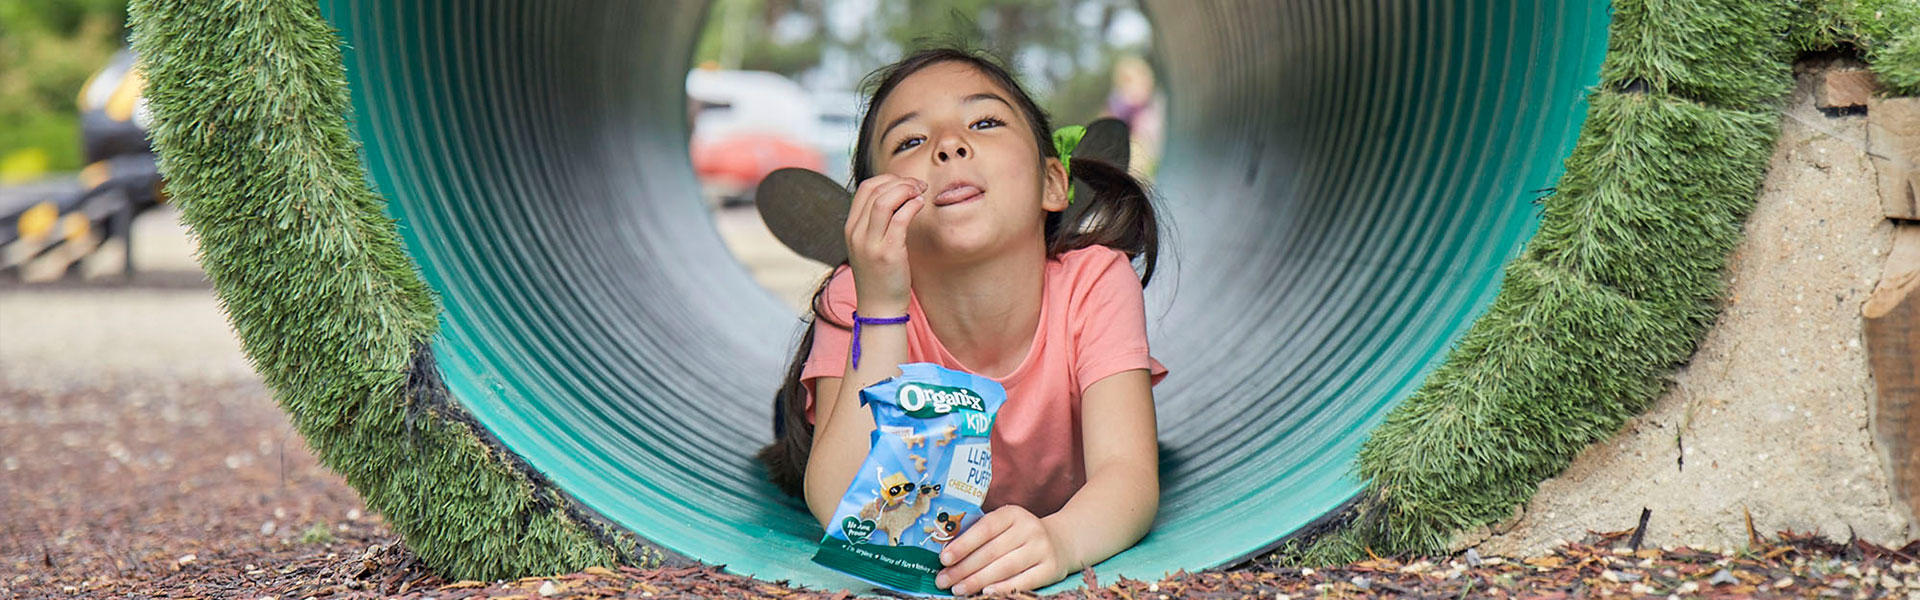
(1117, 212)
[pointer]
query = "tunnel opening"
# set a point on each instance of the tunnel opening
(1345, 182)
(780, 85)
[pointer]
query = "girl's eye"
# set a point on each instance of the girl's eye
(991, 121)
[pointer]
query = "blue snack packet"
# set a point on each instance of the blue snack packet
(923, 481)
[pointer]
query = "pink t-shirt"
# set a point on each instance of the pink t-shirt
(1093, 324)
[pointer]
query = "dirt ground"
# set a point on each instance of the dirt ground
(166, 489)
(1772, 415)
(141, 457)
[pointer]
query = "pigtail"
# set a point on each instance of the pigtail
(1118, 214)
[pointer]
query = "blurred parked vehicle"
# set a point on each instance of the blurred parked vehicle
(738, 162)
(746, 124)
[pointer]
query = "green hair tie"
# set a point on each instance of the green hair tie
(1064, 140)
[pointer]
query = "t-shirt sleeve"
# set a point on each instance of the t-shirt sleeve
(1111, 320)
(828, 358)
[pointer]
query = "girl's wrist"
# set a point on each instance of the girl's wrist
(860, 320)
(1064, 544)
(880, 308)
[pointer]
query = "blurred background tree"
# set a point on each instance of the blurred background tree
(48, 48)
(1063, 50)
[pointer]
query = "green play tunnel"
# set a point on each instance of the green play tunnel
(1344, 181)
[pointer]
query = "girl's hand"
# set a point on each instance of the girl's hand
(876, 233)
(1007, 550)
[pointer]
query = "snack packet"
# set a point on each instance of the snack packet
(923, 481)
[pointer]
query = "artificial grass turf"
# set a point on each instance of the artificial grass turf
(1623, 277)
(250, 107)
(1884, 32)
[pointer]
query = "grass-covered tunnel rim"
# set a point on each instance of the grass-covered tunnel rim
(250, 110)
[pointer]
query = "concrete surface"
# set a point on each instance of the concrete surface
(164, 327)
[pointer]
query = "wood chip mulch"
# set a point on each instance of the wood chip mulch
(1788, 565)
(203, 491)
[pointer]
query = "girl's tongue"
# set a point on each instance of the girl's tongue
(956, 194)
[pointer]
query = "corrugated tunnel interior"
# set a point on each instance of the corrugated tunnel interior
(1344, 180)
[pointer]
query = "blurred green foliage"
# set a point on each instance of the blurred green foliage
(1063, 61)
(49, 48)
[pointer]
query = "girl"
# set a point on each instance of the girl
(957, 226)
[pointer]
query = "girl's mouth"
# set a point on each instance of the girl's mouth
(957, 195)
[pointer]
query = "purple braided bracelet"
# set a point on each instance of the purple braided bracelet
(859, 320)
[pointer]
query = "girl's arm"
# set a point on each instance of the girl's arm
(876, 233)
(842, 428)
(1011, 549)
(1121, 441)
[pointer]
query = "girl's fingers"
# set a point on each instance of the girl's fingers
(886, 203)
(860, 221)
(862, 197)
(1040, 574)
(982, 531)
(994, 551)
(1015, 561)
(897, 226)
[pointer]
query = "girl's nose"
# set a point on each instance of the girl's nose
(951, 148)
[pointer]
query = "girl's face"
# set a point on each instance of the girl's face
(987, 185)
